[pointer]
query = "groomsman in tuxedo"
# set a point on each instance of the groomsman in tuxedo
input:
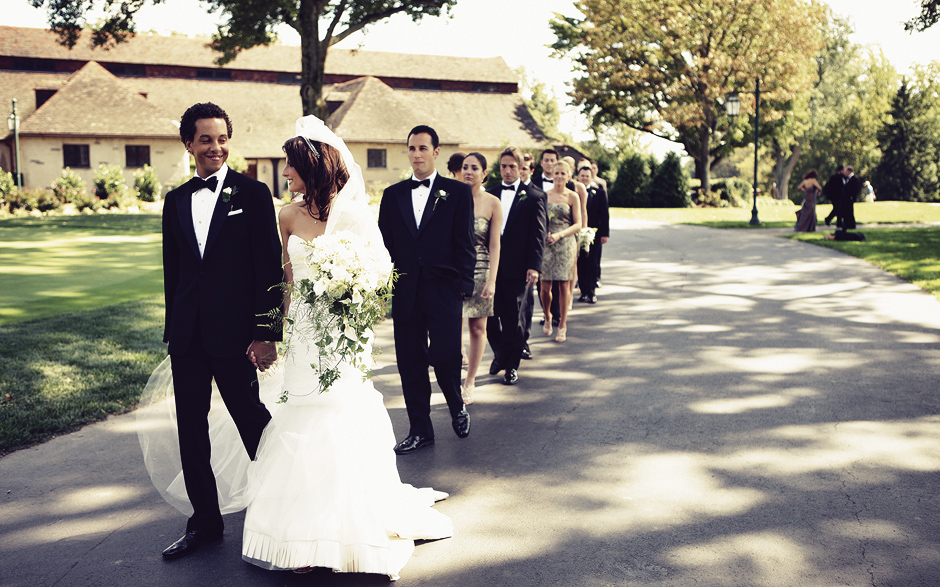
(525, 174)
(598, 212)
(427, 226)
(851, 186)
(520, 261)
(833, 192)
(221, 271)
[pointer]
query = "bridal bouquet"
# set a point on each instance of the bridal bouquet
(345, 295)
(586, 238)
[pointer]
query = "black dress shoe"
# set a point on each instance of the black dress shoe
(591, 299)
(494, 367)
(190, 543)
(511, 378)
(462, 423)
(526, 354)
(583, 298)
(413, 443)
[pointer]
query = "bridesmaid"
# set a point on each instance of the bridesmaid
(806, 217)
(561, 249)
(487, 224)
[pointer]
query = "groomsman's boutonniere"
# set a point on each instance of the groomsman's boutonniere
(522, 195)
(438, 196)
(228, 192)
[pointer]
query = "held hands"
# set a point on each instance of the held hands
(488, 290)
(531, 276)
(262, 354)
(551, 239)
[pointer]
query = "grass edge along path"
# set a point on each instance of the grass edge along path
(911, 253)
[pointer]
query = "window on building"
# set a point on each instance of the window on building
(126, 69)
(43, 95)
(376, 158)
(223, 74)
(75, 156)
(487, 88)
(425, 84)
(137, 155)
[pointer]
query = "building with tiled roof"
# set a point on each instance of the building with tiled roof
(138, 90)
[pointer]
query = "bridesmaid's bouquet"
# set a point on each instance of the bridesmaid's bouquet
(586, 238)
(344, 297)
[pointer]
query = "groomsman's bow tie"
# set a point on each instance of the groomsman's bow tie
(546, 180)
(425, 182)
(199, 183)
(509, 187)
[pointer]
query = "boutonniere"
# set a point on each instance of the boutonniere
(438, 196)
(522, 195)
(228, 192)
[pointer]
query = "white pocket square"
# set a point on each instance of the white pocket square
(234, 212)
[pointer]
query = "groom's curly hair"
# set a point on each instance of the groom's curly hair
(324, 174)
(198, 112)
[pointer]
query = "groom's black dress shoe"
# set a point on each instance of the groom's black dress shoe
(511, 378)
(462, 423)
(412, 443)
(494, 367)
(190, 543)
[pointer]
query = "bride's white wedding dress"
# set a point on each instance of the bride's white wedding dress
(324, 488)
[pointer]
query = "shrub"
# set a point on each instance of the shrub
(734, 190)
(711, 199)
(670, 185)
(111, 188)
(46, 201)
(147, 184)
(631, 189)
(86, 201)
(69, 187)
(7, 184)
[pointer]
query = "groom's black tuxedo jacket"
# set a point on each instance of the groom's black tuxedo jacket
(523, 239)
(223, 293)
(441, 248)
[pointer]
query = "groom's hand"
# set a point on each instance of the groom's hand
(262, 354)
(531, 276)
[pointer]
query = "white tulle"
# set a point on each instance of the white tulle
(324, 489)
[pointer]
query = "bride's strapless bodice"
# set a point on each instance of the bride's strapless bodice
(297, 249)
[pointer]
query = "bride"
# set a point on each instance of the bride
(324, 489)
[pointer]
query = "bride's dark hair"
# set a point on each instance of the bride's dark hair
(324, 174)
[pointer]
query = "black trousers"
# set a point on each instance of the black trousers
(588, 264)
(236, 378)
(430, 337)
(505, 329)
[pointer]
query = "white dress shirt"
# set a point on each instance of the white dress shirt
(549, 181)
(203, 204)
(419, 196)
(506, 198)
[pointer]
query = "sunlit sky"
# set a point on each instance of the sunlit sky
(518, 31)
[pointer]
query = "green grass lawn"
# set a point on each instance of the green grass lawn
(783, 215)
(62, 264)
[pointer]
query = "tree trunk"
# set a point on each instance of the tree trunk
(703, 164)
(783, 167)
(312, 60)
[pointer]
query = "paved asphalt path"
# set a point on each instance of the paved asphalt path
(739, 409)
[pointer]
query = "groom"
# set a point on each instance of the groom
(427, 226)
(221, 270)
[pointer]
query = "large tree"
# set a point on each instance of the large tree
(249, 23)
(666, 66)
(910, 143)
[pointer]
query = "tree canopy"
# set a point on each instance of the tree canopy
(666, 66)
(249, 23)
(929, 16)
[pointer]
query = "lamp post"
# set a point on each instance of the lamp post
(14, 122)
(733, 109)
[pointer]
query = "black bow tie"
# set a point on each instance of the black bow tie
(546, 180)
(199, 183)
(425, 182)
(509, 187)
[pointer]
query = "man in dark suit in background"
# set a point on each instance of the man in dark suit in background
(598, 212)
(520, 261)
(221, 269)
(833, 192)
(851, 187)
(427, 226)
(525, 175)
